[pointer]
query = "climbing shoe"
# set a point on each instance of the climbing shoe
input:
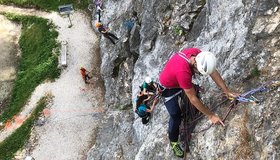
(177, 149)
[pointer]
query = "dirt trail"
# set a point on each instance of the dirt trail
(74, 111)
(9, 35)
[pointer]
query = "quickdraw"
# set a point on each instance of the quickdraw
(246, 97)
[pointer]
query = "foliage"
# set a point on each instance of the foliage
(178, 30)
(255, 72)
(202, 2)
(37, 63)
(125, 106)
(17, 139)
(48, 5)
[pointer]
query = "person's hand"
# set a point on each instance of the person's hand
(216, 120)
(231, 95)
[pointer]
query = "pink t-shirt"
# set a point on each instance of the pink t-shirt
(177, 72)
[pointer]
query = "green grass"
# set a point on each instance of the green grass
(202, 2)
(177, 30)
(47, 5)
(17, 139)
(38, 62)
(255, 72)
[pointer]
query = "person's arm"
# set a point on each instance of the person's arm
(103, 31)
(145, 91)
(220, 82)
(87, 72)
(155, 85)
(148, 98)
(191, 93)
(153, 105)
(99, 8)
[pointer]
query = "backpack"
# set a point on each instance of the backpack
(141, 110)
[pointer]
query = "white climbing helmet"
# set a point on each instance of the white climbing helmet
(206, 62)
(148, 80)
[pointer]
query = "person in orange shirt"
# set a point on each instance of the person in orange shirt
(85, 75)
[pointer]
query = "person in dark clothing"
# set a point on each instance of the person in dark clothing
(106, 32)
(143, 108)
(98, 6)
(98, 15)
(149, 86)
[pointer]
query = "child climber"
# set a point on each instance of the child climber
(85, 75)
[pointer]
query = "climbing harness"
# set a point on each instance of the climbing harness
(166, 99)
(163, 88)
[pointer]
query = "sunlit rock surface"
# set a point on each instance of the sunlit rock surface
(245, 38)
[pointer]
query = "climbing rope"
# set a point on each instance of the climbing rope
(246, 97)
(188, 128)
(243, 98)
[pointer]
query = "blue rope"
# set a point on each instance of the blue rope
(129, 24)
(262, 88)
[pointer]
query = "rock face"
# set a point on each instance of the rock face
(245, 38)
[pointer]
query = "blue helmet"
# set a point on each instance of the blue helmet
(141, 110)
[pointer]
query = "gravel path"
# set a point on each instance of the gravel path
(68, 131)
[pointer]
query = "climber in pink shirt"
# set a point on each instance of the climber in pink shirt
(176, 77)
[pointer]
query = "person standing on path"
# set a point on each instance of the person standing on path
(85, 75)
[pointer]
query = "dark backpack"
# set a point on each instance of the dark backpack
(141, 110)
